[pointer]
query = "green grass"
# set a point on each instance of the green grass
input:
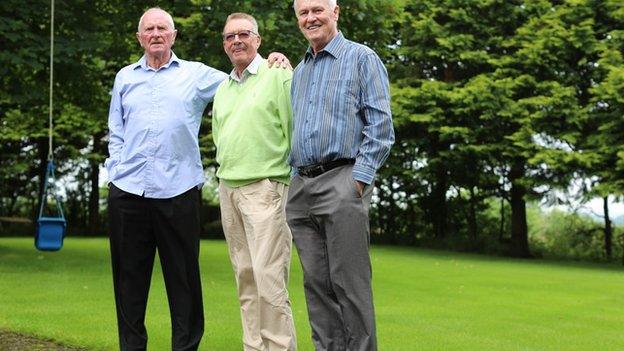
(424, 300)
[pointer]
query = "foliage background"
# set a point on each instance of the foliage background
(498, 105)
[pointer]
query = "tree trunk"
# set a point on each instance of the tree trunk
(380, 221)
(94, 198)
(412, 225)
(383, 213)
(608, 230)
(94, 220)
(501, 230)
(391, 219)
(519, 229)
(11, 206)
(438, 208)
(472, 218)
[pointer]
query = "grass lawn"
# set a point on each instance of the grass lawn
(425, 300)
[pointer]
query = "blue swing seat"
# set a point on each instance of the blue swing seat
(50, 233)
(50, 230)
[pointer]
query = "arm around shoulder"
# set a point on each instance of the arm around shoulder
(208, 80)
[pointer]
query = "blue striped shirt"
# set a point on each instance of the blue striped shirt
(153, 123)
(341, 108)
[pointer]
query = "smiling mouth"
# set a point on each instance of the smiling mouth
(313, 27)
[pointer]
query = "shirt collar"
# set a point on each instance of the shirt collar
(252, 68)
(335, 47)
(143, 63)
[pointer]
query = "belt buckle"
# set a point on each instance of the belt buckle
(311, 171)
(321, 170)
(304, 171)
(315, 171)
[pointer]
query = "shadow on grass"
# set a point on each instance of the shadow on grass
(10, 341)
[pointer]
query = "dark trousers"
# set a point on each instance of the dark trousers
(329, 223)
(138, 227)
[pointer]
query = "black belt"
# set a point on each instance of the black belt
(315, 170)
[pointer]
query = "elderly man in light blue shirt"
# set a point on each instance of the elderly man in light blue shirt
(154, 122)
(155, 174)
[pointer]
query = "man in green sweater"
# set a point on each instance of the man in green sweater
(251, 127)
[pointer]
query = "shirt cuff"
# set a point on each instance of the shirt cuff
(364, 173)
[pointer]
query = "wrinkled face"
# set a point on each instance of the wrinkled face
(240, 42)
(156, 34)
(317, 21)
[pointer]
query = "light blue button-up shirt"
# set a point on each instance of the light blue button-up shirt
(341, 108)
(153, 123)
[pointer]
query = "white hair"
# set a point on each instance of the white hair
(169, 18)
(245, 16)
(331, 3)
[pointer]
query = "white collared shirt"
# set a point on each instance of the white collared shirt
(252, 68)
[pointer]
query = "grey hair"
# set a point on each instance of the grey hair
(242, 15)
(169, 18)
(331, 3)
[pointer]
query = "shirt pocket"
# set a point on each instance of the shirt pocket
(338, 95)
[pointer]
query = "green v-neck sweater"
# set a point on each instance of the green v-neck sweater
(251, 127)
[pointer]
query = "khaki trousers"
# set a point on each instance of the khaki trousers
(259, 241)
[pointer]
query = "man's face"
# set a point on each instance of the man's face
(317, 21)
(156, 34)
(240, 42)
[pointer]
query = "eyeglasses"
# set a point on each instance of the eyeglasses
(242, 35)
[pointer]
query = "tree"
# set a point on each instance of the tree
(605, 140)
(446, 53)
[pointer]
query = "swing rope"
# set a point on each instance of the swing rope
(50, 230)
(50, 155)
(49, 175)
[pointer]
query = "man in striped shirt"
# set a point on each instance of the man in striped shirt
(342, 134)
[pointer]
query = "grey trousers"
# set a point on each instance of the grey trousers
(330, 227)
